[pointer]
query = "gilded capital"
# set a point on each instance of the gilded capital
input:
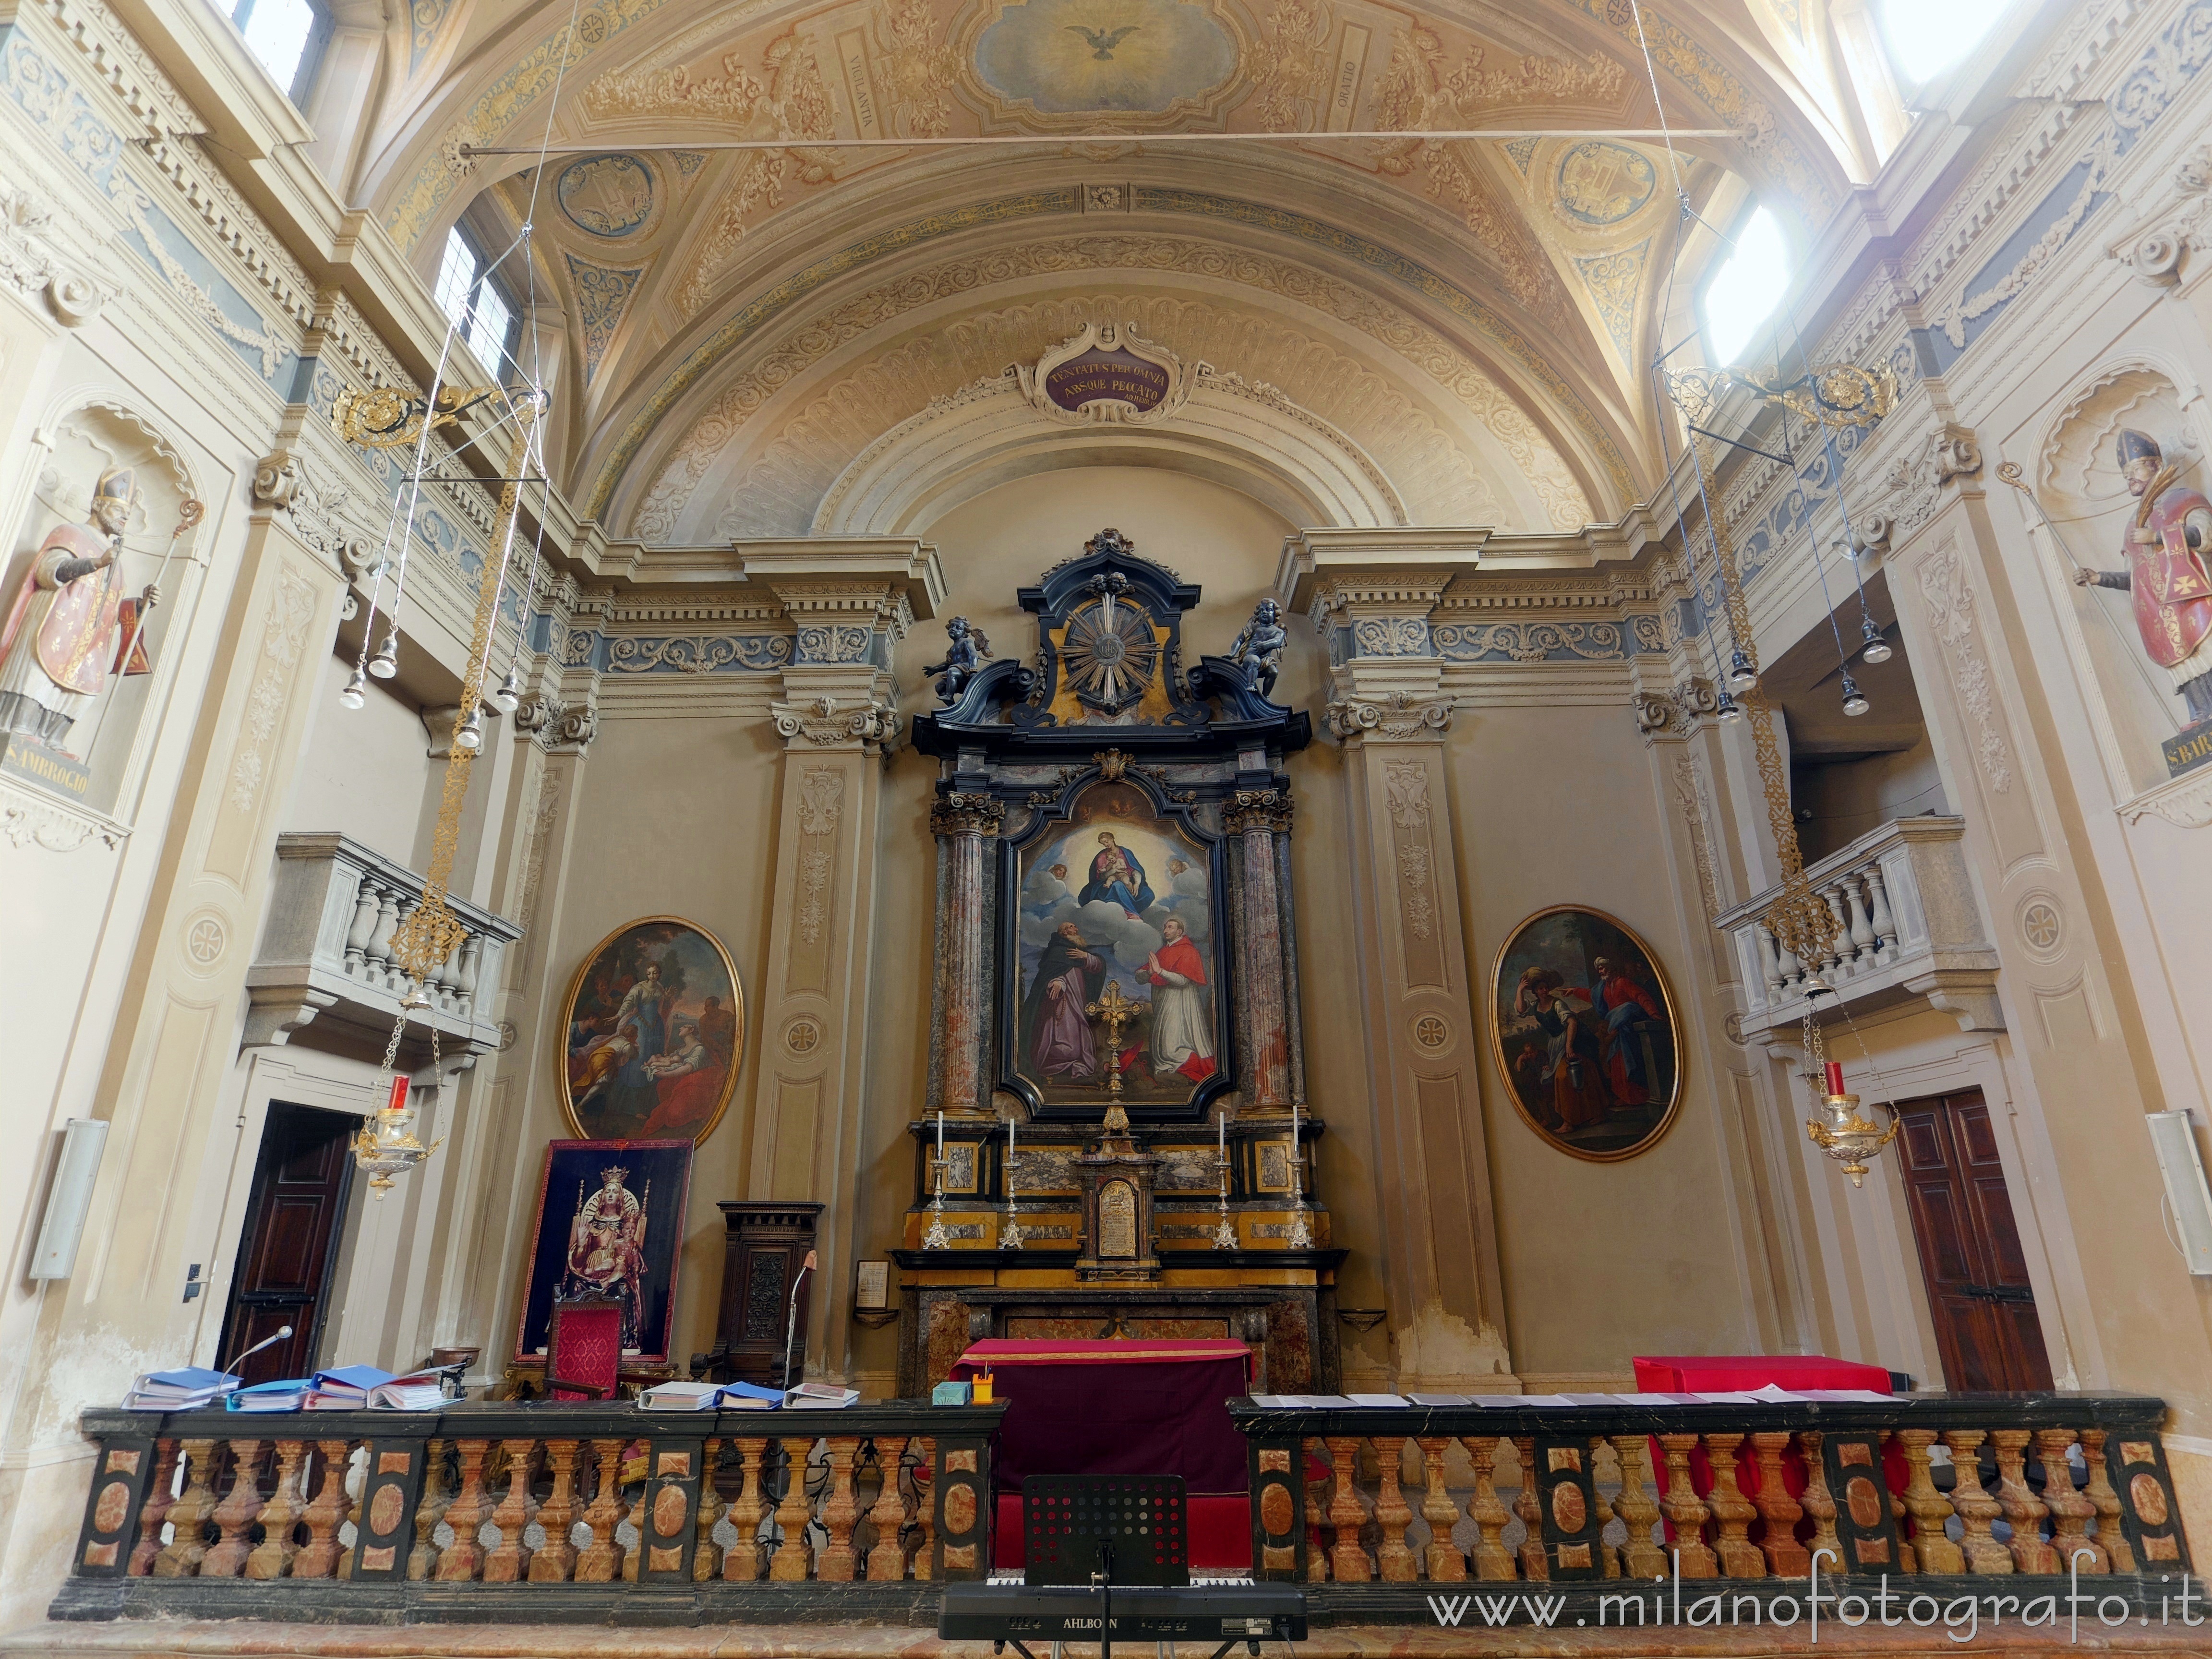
(966, 814)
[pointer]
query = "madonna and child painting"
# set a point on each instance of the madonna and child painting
(654, 1033)
(1117, 894)
(1583, 1028)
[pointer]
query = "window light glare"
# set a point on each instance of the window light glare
(276, 32)
(1926, 40)
(488, 328)
(455, 274)
(1747, 287)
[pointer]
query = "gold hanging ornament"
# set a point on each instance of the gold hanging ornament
(431, 933)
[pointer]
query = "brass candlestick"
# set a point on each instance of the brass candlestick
(1224, 1235)
(937, 1238)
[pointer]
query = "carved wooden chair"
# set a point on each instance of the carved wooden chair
(583, 1349)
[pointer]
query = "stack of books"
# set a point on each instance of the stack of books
(821, 1396)
(186, 1389)
(709, 1396)
(345, 1389)
(417, 1391)
(290, 1395)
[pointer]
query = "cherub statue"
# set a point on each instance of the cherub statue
(1258, 649)
(965, 652)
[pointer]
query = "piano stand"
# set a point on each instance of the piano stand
(1251, 1646)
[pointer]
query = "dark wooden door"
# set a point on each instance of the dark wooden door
(290, 1240)
(1986, 1330)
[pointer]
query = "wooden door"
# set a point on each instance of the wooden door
(290, 1240)
(1986, 1330)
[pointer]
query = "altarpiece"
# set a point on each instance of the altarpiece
(1116, 1139)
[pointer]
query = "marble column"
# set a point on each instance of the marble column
(961, 821)
(1256, 815)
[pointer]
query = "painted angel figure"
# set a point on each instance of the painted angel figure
(1258, 649)
(966, 650)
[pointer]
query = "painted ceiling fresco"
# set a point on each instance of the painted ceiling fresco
(683, 270)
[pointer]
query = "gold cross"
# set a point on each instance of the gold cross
(1117, 1010)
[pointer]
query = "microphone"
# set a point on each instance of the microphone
(791, 1326)
(282, 1331)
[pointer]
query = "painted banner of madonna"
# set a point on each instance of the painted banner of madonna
(1117, 894)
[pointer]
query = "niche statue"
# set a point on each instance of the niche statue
(64, 632)
(965, 652)
(2164, 549)
(1258, 649)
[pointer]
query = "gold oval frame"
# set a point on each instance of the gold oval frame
(569, 1015)
(1666, 999)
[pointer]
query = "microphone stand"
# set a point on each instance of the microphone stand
(267, 1342)
(791, 1325)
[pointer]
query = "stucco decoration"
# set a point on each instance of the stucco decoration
(1601, 184)
(602, 296)
(1037, 59)
(1529, 455)
(1105, 372)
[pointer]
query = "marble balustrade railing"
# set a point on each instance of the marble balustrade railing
(518, 1512)
(2037, 1485)
(1907, 924)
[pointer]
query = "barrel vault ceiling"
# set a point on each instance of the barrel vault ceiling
(739, 327)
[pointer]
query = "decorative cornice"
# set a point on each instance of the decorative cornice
(554, 725)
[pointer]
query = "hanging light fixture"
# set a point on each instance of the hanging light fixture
(509, 694)
(469, 734)
(1876, 648)
(386, 662)
(1854, 702)
(1837, 1129)
(387, 1146)
(1741, 676)
(1726, 709)
(356, 689)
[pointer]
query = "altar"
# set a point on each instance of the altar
(1116, 1141)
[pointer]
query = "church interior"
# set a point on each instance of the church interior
(1423, 766)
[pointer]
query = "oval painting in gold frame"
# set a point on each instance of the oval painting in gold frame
(652, 1034)
(1585, 1033)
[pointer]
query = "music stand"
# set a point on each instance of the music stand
(1103, 1529)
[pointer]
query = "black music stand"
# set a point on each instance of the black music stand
(1102, 1529)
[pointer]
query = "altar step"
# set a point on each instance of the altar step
(256, 1639)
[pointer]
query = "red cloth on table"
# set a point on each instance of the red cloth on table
(1134, 1406)
(1741, 1374)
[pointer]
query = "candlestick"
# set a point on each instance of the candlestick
(1010, 1236)
(1301, 1237)
(1836, 1077)
(1224, 1236)
(937, 1238)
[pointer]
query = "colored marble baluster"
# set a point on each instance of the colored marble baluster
(357, 1475)
(1492, 1560)
(318, 1556)
(273, 1557)
(463, 1558)
(741, 1561)
(706, 1553)
(1975, 1508)
(2022, 1509)
(1347, 1513)
(1393, 1557)
(555, 1560)
(1819, 1503)
(1446, 1565)
(793, 1561)
(2071, 1547)
(2102, 1499)
(154, 1510)
(187, 1547)
(1733, 1513)
(1907, 1561)
(841, 1512)
(1316, 1517)
(508, 1561)
(600, 1561)
(1534, 1563)
(1785, 1557)
(887, 1558)
(240, 1509)
(925, 1554)
(640, 1516)
(1685, 1511)
(1278, 1512)
(1937, 1553)
(1642, 1556)
(429, 1510)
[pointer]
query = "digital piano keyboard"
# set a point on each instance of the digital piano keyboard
(1224, 1612)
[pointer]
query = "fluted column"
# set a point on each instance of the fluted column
(1257, 816)
(960, 822)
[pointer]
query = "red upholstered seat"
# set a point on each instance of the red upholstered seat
(583, 1349)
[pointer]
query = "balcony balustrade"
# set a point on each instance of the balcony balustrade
(1907, 926)
(327, 949)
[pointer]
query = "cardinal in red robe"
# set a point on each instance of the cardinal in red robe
(1182, 1012)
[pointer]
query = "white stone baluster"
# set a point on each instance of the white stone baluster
(1770, 961)
(377, 957)
(1862, 930)
(1885, 924)
(364, 924)
(1839, 951)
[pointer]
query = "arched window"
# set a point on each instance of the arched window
(1926, 37)
(1745, 288)
(287, 37)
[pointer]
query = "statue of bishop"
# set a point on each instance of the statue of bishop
(2165, 545)
(64, 633)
